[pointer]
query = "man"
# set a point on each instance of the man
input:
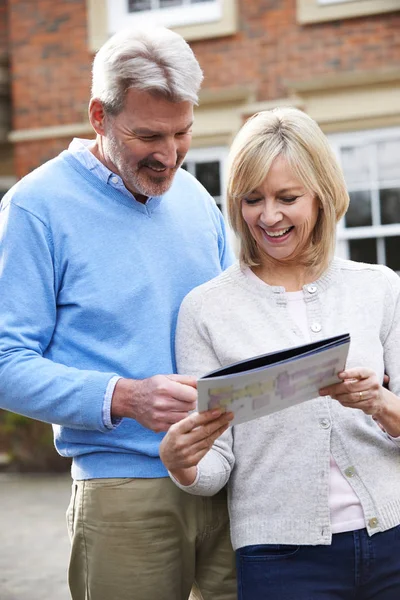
(98, 248)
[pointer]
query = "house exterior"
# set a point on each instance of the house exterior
(338, 60)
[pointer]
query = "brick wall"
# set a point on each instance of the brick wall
(50, 72)
(50, 62)
(272, 47)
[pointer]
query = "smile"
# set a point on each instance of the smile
(156, 170)
(278, 234)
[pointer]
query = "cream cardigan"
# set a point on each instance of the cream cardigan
(278, 466)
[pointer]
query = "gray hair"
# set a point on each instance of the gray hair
(155, 60)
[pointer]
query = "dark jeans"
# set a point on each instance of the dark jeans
(354, 567)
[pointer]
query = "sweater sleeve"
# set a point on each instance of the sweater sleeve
(30, 383)
(195, 356)
(391, 341)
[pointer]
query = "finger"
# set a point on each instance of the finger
(348, 386)
(356, 373)
(206, 444)
(185, 379)
(196, 420)
(182, 392)
(205, 432)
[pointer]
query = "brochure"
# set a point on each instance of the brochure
(264, 384)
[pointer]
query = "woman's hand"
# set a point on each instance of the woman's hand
(360, 388)
(188, 441)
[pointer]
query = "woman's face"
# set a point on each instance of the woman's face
(280, 213)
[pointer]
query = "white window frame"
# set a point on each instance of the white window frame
(335, 1)
(315, 11)
(380, 232)
(174, 16)
(210, 154)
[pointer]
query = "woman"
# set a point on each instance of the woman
(314, 490)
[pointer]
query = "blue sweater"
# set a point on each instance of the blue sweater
(90, 286)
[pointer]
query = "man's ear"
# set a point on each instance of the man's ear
(97, 115)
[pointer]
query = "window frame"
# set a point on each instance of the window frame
(118, 15)
(210, 154)
(377, 232)
(328, 2)
(99, 27)
(313, 11)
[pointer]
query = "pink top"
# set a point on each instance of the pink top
(345, 508)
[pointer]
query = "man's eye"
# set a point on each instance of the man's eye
(148, 138)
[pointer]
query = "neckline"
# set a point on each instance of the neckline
(254, 284)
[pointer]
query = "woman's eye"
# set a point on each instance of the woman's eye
(252, 201)
(289, 199)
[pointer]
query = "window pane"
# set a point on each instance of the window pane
(169, 3)
(359, 213)
(389, 159)
(138, 5)
(355, 164)
(392, 245)
(363, 250)
(196, 1)
(208, 174)
(390, 206)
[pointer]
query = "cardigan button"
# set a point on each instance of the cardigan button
(325, 423)
(311, 289)
(373, 522)
(316, 327)
(350, 472)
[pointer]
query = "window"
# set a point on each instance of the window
(193, 19)
(171, 13)
(370, 231)
(208, 166)
(314, 11)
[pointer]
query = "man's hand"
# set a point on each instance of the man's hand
(157, 402)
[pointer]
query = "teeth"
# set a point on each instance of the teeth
(277, 233)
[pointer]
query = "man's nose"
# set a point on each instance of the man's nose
(167, 153)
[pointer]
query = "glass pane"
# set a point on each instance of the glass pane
(208, 174)
(169, 3)
(392, 245)
(184, 166)
(389, 159)
(355, 164)
(363, 250)
(196, 1)
(139, 5)
(359, 213)
(390, 206)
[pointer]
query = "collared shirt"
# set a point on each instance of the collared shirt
(80, 148)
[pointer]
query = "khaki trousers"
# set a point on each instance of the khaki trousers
(145, 539)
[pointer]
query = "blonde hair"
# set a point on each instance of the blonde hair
(290, 133)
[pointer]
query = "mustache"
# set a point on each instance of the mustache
(155, 164)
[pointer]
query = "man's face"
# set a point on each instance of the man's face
(147, 142)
